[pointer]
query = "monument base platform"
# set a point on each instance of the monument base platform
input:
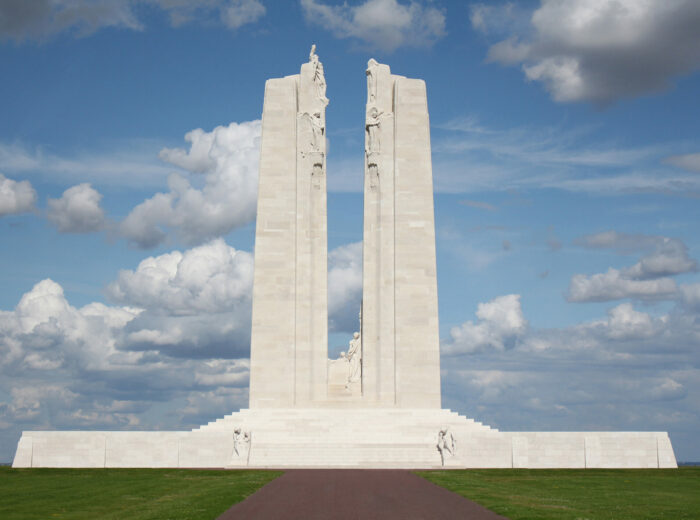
(344, 438)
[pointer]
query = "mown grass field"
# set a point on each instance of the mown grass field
(579, 494)
(142, 494)
(136, 494)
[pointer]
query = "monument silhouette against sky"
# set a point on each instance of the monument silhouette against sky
(378, 405)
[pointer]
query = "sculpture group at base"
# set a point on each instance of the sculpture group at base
(379, 404)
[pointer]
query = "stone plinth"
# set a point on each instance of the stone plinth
(344, 438)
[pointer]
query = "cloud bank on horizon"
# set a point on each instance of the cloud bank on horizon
(567, 243)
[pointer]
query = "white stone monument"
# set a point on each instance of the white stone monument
(378, 405)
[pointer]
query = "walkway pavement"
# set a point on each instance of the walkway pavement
(338, 494)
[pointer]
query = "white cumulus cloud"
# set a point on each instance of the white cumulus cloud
(196, 303)
(211, 278)
(624, 322)
(182, 334)
(46, 332)
(15, 197)
(385, 25)
(77, 211)
(616, 284)
(228, 158)
(344, 287)
(646, 279)
(670, 257)
(241, 12)
(500, 322)
(600, 50)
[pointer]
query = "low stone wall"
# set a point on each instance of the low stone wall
(76, 449)
(565, 450)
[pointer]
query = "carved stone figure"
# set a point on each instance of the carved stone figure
(372, 80)
(354, 356)
(313, 132)
(373, 144)
(446, 443)
(241, 443)
(317, 131)
(319, 77)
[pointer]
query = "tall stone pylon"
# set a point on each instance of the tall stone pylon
(289, 336)
(400, 336)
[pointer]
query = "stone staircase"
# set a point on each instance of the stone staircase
(325, 437)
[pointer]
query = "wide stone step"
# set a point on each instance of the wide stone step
(345, 455)
(339, 429)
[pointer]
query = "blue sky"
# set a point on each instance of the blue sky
(566, 167)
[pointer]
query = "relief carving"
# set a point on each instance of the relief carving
(241, 446)
(446, 444)
(371, 73)
(372, 128)
(312, 128)
(373, 145)
(354, 357)
(312, 145)
(318, 76)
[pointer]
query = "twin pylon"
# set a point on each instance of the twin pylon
(400, 364)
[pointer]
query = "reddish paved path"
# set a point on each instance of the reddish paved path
(355, 494)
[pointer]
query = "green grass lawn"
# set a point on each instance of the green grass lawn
(136, 494)
(592, 494)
